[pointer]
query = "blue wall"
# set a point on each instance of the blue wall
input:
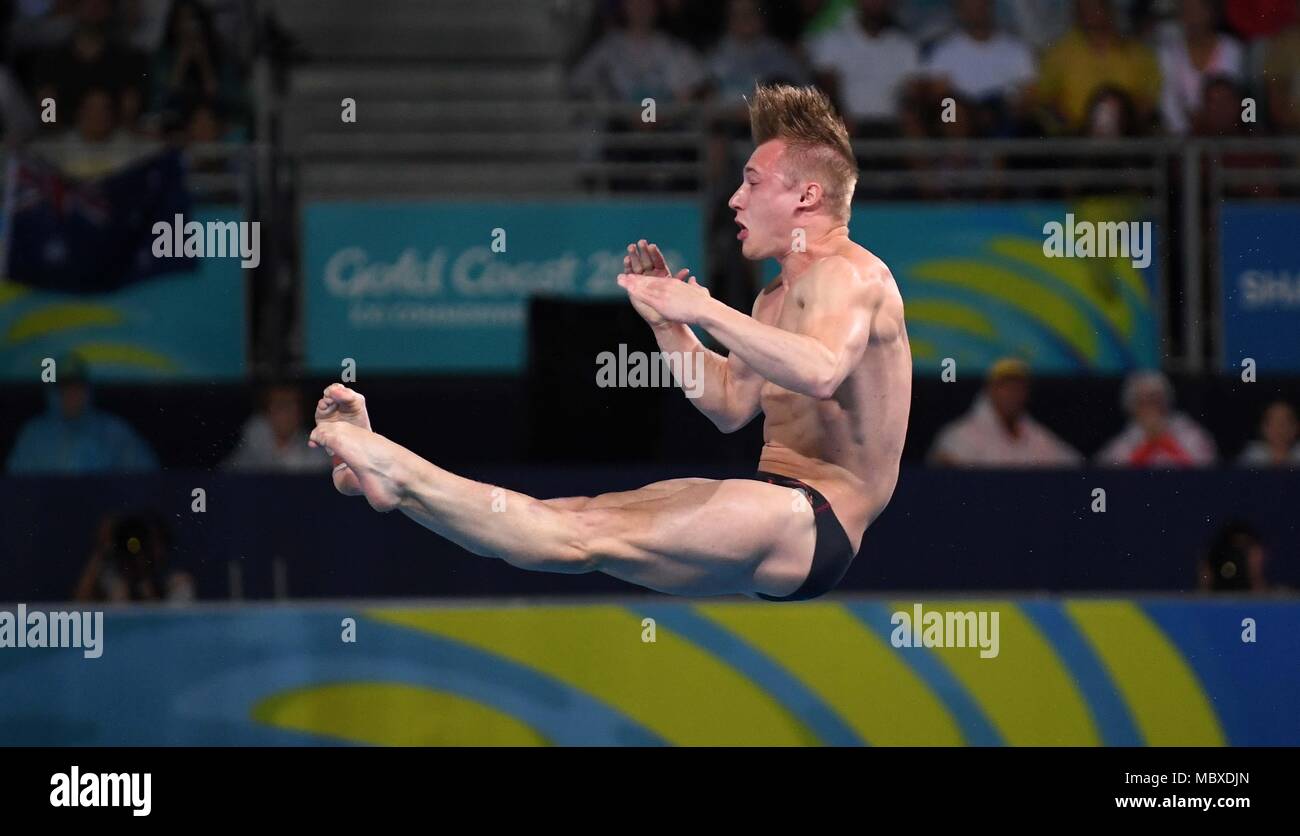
(942, 531)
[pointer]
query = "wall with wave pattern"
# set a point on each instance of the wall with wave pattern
(1069, 672)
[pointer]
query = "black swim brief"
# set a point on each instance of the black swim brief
(833, 551)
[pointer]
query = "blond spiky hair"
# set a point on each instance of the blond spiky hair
(817, 143)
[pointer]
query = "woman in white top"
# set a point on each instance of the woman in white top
(1277, 447)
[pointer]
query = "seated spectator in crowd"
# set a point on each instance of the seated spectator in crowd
(275, 439)
(130, 564)
(93, 58)
(1282, 78)
(979, 62)
(1220, 116)
(1277, 445)
(96, 146)
(746, 55)
(1234, 561)
(189, 67)
(1199, 52)
(1095, 55)
(1111, 115)
(866, 64)
(998, 430)
(75, 438)
(636, 61)
(1156, 435)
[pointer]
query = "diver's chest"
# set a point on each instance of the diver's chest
(784, 310)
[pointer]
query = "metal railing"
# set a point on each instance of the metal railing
(1185, 181)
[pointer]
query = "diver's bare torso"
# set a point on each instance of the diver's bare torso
(848, 446)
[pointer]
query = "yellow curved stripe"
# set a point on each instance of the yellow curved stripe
(51, 319)
(1167, 702)
(671, 687)
(1029, 297)
(951, 315)
(923, 349)
(9, 291)
(851, 669)
(123, 354)
(1025, 691)
(393, 714)
(1078, 275)
(1100, 209)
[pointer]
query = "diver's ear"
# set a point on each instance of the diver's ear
(812, 196)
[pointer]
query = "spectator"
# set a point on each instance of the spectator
(866, 64)
(1156, 435)
(998, 430)
(93, 58)
(637, 61)
(1282, 78)
(979, 62)
(1220, 116)
(1235, 561)
(1277, 445)
(747, 55)
(73, 437)
(96, 146)
(1091, 56)
(1200, 51)
(1111, 115)
(129, 563)
(189, 68)
(275, 439)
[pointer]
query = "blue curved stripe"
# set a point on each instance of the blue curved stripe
(1253, 686)
(1109, 712)
(209, 698)
(772, 677)
(976, 729)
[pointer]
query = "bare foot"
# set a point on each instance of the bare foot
(376, 463)
(338, 403)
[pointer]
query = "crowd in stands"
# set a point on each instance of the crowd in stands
(998, 431)
(1102, 68)
(100, 82)
(74, 437)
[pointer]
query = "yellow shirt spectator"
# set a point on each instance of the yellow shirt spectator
(1074, 69)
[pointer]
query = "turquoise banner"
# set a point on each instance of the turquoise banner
(176, 327)
(978, 284)
(656, 671)
(444, 286)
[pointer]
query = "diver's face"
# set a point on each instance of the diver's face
(766, 204)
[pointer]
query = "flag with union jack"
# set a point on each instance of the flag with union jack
(90, 236)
